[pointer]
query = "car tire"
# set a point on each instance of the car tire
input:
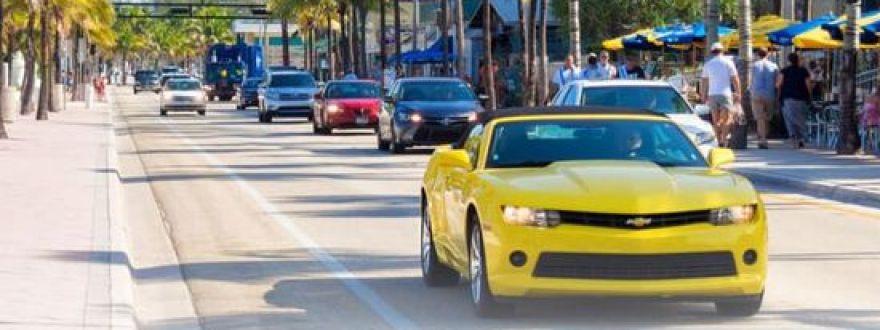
(239, 107)
(434, 273)
(268, 117)
(163, 112)
(394, 145)
(381, 144)
(201, 112)
(740, 307)
(484, 302)
(262, 116)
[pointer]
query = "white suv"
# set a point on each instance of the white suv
(286, 93)
(654, 96)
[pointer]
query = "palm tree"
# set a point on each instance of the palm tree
(285, 10)
(444, 34)
(745, 48)
(487, 44)
(383, 55)
(527, 26)
(3, 134)
(542, 58)
(575, 30)
(459, 40)
(711, 21)
(849, 142)
(397, 41)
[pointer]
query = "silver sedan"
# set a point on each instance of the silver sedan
(182, 95)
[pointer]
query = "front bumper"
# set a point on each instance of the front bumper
(302, 108)
(248, 100)
(428, 133)
(180, 106)
(353, 119)
(506, 280)
(147, 87)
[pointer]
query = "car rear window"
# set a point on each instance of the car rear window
(352, 90)
(183, 85)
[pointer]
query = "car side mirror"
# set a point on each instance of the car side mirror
(720, 156)
(454, 158)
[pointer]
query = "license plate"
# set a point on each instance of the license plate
(360, 120)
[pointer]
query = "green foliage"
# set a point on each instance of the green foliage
(174, 39)
(604, 19)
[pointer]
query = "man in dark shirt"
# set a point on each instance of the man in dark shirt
(632, 70)
(793, 83)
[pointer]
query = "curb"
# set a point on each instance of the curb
(121, 277)
(841, 193)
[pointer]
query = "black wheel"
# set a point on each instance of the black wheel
(268, 117)
(481, 294)
(381, 144)
(434, 273)
(394, 145)
(201, 112)
(211, 98)
(262, 117)
(315, 128)
(135, 92)
(239, 107)
(740, 307)
(163, 112)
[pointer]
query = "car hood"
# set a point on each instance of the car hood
(444, 107)
(622, 187)
(691, 122)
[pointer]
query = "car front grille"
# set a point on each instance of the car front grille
(293, 97)
(436, 133)
(183, 99)
(447, 121)
(635, 221)
(635, 266)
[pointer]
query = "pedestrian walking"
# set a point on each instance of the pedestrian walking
(793, 83)
(720, 91)
(566, 74)
(817, 75)
(607, 69)
(99, 84)
(763, 88)
(632, 70)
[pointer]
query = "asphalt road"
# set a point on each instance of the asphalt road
(276, 228)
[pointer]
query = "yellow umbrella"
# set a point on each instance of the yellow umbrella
(760, 28)
(819, 38)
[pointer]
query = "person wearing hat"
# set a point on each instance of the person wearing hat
(720, 90)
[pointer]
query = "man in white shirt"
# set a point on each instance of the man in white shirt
(608, 70)
(720, 91)
(566, 74)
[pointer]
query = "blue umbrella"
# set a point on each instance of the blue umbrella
(835, 28)
(682, 34)
(785, 37)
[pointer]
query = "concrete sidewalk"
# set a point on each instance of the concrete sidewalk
(822, 173)
(63, 246)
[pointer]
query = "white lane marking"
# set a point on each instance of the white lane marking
(390, 315)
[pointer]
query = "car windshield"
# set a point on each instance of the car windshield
(352, 91)
(183, 85)
(292, 80)
(663, 100)
(435, 91)
(251, 83)
(143, 75)
(540, 143)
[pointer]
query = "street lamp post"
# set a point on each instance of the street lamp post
(849, 142)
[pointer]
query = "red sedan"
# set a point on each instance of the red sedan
(347, 104)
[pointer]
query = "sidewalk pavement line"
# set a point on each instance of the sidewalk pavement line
(363, 292)
(836, 192)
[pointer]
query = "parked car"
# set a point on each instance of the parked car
(347, 104)
(656, 96)
(146, 80)
(425, 111)
(248, 94)
(182, 94)
(287, 93)
(591, 202)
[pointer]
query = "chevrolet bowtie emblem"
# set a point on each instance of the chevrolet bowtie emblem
(638, 222)
(446, 121)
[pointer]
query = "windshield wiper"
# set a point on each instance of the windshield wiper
(526, 164)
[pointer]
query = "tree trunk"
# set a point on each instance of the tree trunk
(30, 66)
(3, 134)
(527, 27)
(849, 142)
(444, 35)
(397, 41)
(744, 62)
(575, 30)
(45, 67)
(460, 64)
(363, 44)
(543, 89)
(711, 21)
(383, 54)
(345, 38)
(285, 43)
(56, 59)
(354, 41)
(487, 44)
(331, 60)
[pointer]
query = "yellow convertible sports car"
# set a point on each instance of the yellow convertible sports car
(606, 203)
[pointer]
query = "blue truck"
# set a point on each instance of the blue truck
(227, 66)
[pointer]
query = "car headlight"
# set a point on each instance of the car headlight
(409, 116)
(333, 108)
(526, 216)
(472, 117)
(734, 215)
